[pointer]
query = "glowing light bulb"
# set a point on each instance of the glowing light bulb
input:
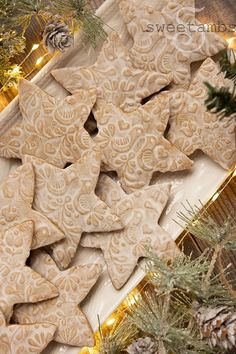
(232, 42)
(215, 196)
(35, 46)
(16, 70)
(110, 321)
(38, 62)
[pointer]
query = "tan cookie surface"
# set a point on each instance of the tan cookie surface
(140, 213)
(193, 128)
(25, 339)
(169, 40)
(73, 285)
(114, 76)
(67, 198)
(19, 284)
(16, 198)
(52, 129)
(134, 146)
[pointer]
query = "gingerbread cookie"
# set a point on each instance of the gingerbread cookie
(67, 198)
(193, 128)
(73, 285)
(139, 212)
(16, 198)
(20, 284)
(24, 339)
(52, 129)
(134, 146)
(167, 41)
(114, 76)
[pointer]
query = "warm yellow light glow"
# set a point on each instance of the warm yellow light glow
(110, 321)
(16, 70)
(35, 46)
(232, 42)
(38, 62)
(215, 196)
(132, 299)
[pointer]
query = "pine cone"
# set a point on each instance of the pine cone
(142, 346)
(57, 36)
(217, 325)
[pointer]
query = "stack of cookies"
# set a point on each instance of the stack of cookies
(150, 117)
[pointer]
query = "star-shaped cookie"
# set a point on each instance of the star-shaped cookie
(134, 146)
(52, 128)
(19, 339)
(20, 284)
(140, 213)
(169, 40)
(68, 199)
(73, 285)
(16, 198)
(193, 128)
(114, 76)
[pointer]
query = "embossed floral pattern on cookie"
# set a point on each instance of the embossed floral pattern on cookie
(16, 198)
(52, 129)
(193, 128)
(73, 285)
(168, 41)
(114, 76)
(67, 198)
(139, 212)
(134, 146)
(24, 339)
(19, 284)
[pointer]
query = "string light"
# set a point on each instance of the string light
(110, 321)
(35, 46)
(232, 42)
(39, 60)
(16, 70)
(215, 196)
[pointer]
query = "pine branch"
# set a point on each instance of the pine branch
(87, 20)
(116, 339)
(228, 64)
(221, 101)
(203, 226)
(169, 329)
(182, 273)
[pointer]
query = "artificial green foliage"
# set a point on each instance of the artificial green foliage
(221, 100)
(87, 21)
(11, 44)
(203, 226)
(117, 339)
(182, 272)
(228, 64)
(166, 311)
(170, 326)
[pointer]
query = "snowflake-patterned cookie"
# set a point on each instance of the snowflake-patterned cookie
(193, 128)
(73, 285)
(25, 339)
(140, 212)
(114, 76)
(169, 40)
(16, 198)
(52, 128)
(67, 198)
(18, 283)
(134, 146)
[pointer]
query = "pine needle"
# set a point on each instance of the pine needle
(228, 64)
(204, 227)
(221, 101)
(116, 339)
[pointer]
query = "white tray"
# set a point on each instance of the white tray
(199, 183)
